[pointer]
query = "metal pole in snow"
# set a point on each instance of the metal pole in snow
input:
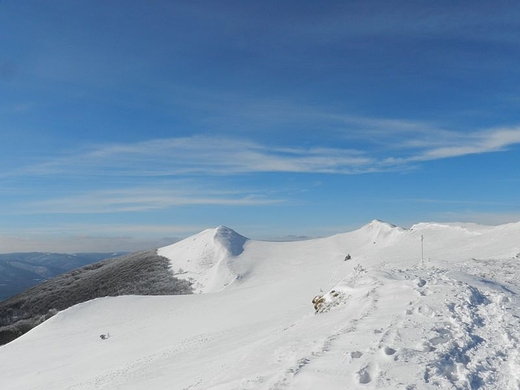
(422, 248)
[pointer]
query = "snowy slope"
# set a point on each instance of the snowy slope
(206, 258)
(387, 319)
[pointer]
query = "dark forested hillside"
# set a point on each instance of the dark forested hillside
(142, 273)
(20, 271)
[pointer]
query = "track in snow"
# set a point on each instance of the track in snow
(455, 334)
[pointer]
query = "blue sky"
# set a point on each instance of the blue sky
(128, 124)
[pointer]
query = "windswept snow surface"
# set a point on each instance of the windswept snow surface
(207, 258)
(390, 320)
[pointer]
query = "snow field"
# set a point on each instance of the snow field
(389, 320)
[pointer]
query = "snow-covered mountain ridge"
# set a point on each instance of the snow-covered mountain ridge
(206, 258)
(433, 306)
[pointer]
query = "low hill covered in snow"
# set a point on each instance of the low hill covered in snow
(433, 306)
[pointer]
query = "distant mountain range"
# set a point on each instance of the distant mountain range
(141, 273)
(20, 271)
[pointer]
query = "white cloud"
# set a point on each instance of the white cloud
(400, 145)
(493, 140)
(142, 199)
(200, 155)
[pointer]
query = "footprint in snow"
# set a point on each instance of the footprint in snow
(421, 283)
(389, 351)
(356, 354)
(426, 347)
(364, 376)
(425, 311)
(444, 335)
(421, 309)
(425, 292)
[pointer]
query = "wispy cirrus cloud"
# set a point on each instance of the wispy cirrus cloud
(487, 141)
(114, 230)
(143, 199)
(456, 202)
(402, 145)
(200, 155)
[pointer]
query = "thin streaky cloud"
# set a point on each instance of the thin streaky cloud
(103, 230)
(483, 142)
(441, 201)
(200, 155)
(136, 200)
(206, 155)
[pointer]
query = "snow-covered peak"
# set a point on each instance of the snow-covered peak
(378, 224)
(378, 229)
(204, 258)
(230, 240)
